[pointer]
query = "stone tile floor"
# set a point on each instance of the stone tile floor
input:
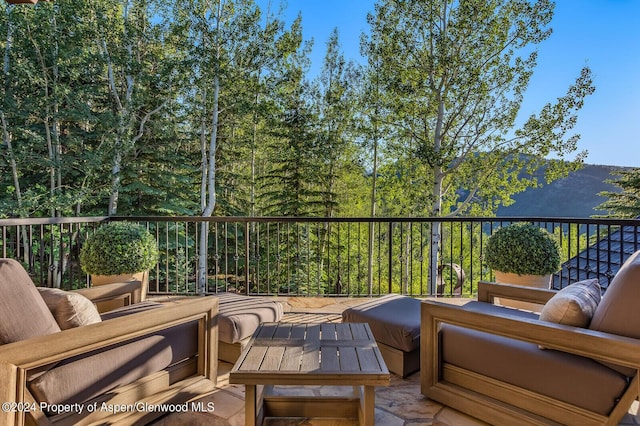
(399, 404)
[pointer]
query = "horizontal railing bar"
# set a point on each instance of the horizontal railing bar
(274, 219)
(475, 219)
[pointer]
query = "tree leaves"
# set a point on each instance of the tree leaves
(427, 127)
(453, 75)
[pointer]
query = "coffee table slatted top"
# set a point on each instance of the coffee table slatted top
(311, 354)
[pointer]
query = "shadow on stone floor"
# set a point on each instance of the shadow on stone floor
(398, 404)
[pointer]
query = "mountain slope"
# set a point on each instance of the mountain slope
(574, 196)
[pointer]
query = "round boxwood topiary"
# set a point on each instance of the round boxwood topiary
(523, 249)
(119, 248)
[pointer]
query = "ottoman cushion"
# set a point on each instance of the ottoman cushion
(394, 320)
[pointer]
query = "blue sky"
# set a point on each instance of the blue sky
(602, 34)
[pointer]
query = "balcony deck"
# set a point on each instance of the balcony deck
(305, 256)
(399, 404)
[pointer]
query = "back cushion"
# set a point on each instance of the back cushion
(23, 313)
(617, 312)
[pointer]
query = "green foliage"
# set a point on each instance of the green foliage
(286, 144)
(523, 249)
(449, 102)
(119, 248)
(626, 203)
(290, 185)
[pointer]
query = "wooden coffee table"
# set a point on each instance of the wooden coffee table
(310, 354)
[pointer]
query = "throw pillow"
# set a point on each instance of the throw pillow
(68, 308)
(573, 305)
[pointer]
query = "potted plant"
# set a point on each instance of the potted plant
(523, 254)
(119, 252)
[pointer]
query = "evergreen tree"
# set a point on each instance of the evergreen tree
(289, 187)
(336, 102)
(625, 203)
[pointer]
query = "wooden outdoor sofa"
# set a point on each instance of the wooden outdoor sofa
(507, 366)
(141, 355)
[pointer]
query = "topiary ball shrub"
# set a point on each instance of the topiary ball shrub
(119, 248)
(523, 249)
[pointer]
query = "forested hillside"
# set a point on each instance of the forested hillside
(577, 195)
(193, 107)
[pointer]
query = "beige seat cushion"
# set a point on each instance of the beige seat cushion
(23, 313)
(130, 309)
(68, 308)
(80, 378)
(573, 305)
(491, 309)
(558, 375)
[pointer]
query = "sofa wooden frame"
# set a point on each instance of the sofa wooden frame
(177, 384)
(497, 402)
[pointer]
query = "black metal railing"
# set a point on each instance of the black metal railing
(318, 256)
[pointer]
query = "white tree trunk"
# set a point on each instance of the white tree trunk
(121, 132)
(208, 188)
(48, 120)
(210, 192)
(123, 108)
(373, 206)
(434, 251)
(436, 210)
(6, 139)
(115, 182)
(204, 226)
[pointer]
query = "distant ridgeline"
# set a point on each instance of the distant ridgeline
(574, 196)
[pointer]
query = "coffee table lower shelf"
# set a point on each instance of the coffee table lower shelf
(261, 403)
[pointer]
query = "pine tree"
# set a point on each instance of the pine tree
(289, 186)
(625, 203)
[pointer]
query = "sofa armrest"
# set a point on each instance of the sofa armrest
(130, 291)
(593, 344)
(29, 355)
(488, 291)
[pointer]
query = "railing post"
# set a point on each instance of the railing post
(370, 259)
(247, 257)
(390, 257)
